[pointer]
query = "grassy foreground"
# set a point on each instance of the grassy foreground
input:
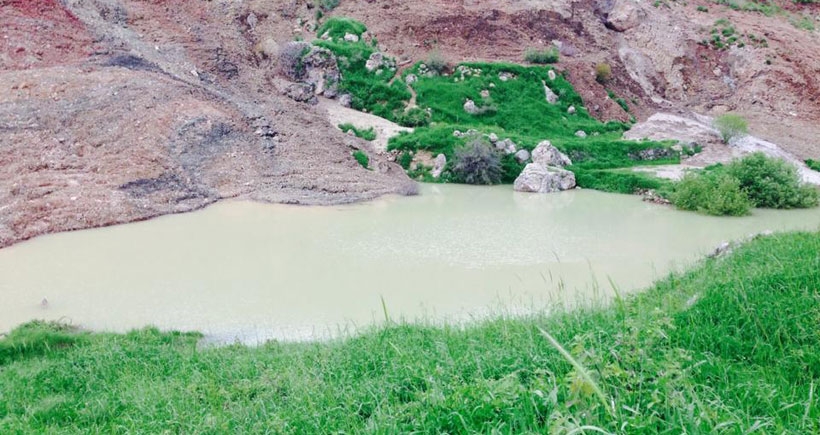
(732, 346)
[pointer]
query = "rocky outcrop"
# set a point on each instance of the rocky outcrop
(322, 71)
(439, 163)
(545, 174)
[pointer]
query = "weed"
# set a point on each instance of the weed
(546, 56)
(366, 134)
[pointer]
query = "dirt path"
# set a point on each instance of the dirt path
(338, 114)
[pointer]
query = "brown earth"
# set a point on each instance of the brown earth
(118, 110)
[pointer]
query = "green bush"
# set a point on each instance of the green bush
(405, 159)
(366, 134)
(337, 27)
(476, 162)
(730, 126)
(772, 183)
(436, 63)
(814, 165)
(549, 55)
(362, 158)
(415, 117)
(713, 192)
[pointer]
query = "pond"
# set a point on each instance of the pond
(249, 271)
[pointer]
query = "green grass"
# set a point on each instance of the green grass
(337, 27)
(813, 164)
(368, 134)
(729, 347)
(362, 158)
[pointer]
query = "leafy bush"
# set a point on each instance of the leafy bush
(476, 162)
(405, 159)
(415, 117)
(771, 182)
(366, 134)
(291, 59)
(337, 27)
(730, 126)
(713, 192)
(814, 165)
(603, 72)
(362, 158)
(549, 55)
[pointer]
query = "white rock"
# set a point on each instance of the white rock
(471, 108)
(540, 178)
(550, 96)
(571, 110)
(438, 165)
(349, 37)
(522, 156)
(581, 133)
(492, 137)
(546, 154)
(551, 74)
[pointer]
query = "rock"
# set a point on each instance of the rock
(540, 178)
(522, 156)
(321, 69)
(326, 35)
(457, 133)
(492, 137)
(721, 250)
(506, 145)
(550, 96)
(349, 37)
(438, 165)
(485, 94)
(410, 79)
(374, 62)
(571, 110)
(625, 14)
(551, 75)
(581, 133)
(252, 20)
(504, 76)
(546, 154)
(302, 92)
(345, 100)
(471, 108)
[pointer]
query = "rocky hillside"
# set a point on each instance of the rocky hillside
(120, 110)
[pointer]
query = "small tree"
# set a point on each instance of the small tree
(476, 162)
(730, 125)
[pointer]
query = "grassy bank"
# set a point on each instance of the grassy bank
(729, 347)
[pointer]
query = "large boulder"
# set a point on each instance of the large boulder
(625, 14)
(322, 70)
(438, 165)
(540, 178)
(546, 154)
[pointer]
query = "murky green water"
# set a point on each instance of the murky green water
(249, 271)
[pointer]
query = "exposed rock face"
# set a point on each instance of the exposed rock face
(302, 92)
(625, 14)
(522, 156)
(506, 145)
(546, 154)
(540, 178)
(150, 121)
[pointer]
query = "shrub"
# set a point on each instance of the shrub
(366, 134)
(714, 193)
(772, 183)
(362, 158)
(415, 117)
(603, 72)
(476, 162)
(730, 126)
(436, 63)
(405, 159)
(291, 59)
(549, 55)
(814, 165)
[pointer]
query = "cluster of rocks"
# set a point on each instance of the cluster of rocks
(464, 71)
(378, 63)
(551, 97)
(504, 76)
(314, 70)
(546, 173)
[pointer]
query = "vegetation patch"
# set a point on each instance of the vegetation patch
(731, 344)
(733, 189)
(730, 126)
(362, 158)
(813, 164)
(544, 56)
(368, 134)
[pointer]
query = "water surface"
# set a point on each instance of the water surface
(249, 271)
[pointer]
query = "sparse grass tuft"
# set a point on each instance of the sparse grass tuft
(362, 158)
(542, 57)
(368, 134)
